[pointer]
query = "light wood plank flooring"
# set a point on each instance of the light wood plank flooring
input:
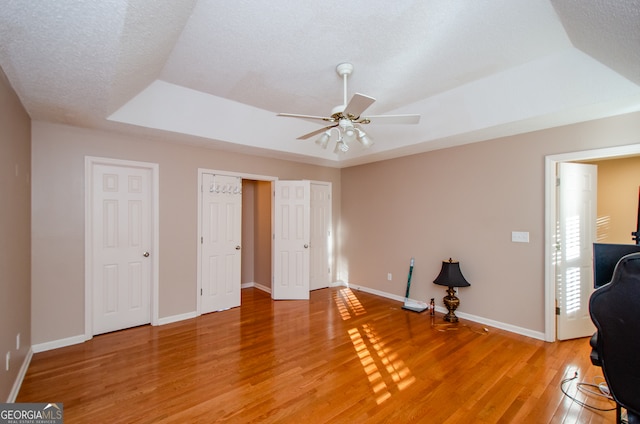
(342, 357)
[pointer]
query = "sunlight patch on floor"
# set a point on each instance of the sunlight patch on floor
(378, 361)
(348, 304)
(395, 366)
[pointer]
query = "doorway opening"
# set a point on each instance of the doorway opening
(255, 245)
(255, 216)
(551, 207)
(256, 234)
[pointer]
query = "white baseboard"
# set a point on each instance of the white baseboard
(377, 292)
(263, 288)
(257, 286)
(176, 318)
(501, 325)
(55, 344)
(189, 315)
(13, 394)
(480, 320)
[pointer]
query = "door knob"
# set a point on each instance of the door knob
(145, 254)
(306, 246)
(237, 247)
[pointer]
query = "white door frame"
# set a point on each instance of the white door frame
(550, 219)
(89, 163)
(243, 176)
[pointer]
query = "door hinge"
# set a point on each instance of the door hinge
(557, 310)
(200, 292)
(201, 240)
(558, 182)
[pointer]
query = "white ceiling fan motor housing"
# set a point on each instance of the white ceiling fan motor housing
(344, 69)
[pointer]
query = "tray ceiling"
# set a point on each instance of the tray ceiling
(215, 73)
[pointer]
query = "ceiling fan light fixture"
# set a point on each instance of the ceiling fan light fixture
(348, 130)
(363, 138)
(349, 135)
(341, 147)
(323, 140)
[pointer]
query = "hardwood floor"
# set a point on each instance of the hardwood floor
(342, 357)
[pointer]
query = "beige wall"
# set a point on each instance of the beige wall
(618, 182)
(262, 231)
(248, 232)
(15, 234)
(58, 216)
(256, 232)
(463, 203)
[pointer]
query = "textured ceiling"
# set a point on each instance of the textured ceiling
(215, 72)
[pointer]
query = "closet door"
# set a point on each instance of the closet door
(291, 240)
(320, 268)
(221, 236)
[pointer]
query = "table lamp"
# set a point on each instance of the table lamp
(451, 276)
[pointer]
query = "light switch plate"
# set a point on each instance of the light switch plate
(520, 236)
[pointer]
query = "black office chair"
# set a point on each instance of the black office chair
(615, 311)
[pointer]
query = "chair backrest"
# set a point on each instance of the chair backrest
(615, 311)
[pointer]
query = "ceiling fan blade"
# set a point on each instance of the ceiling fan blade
(358, 104)
(393, 119)
(294, 115)
(316, 132)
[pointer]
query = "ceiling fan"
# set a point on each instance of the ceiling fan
(347, 118)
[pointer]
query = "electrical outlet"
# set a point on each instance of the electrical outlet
(8, 359)
(389, 276)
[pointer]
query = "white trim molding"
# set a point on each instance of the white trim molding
(13, 394)
(175, 318)
(480, 320)
(55, 344)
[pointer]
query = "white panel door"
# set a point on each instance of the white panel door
(320, 271)
(291, 240)
(121, 243)
(577, 213)
(221, 235)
